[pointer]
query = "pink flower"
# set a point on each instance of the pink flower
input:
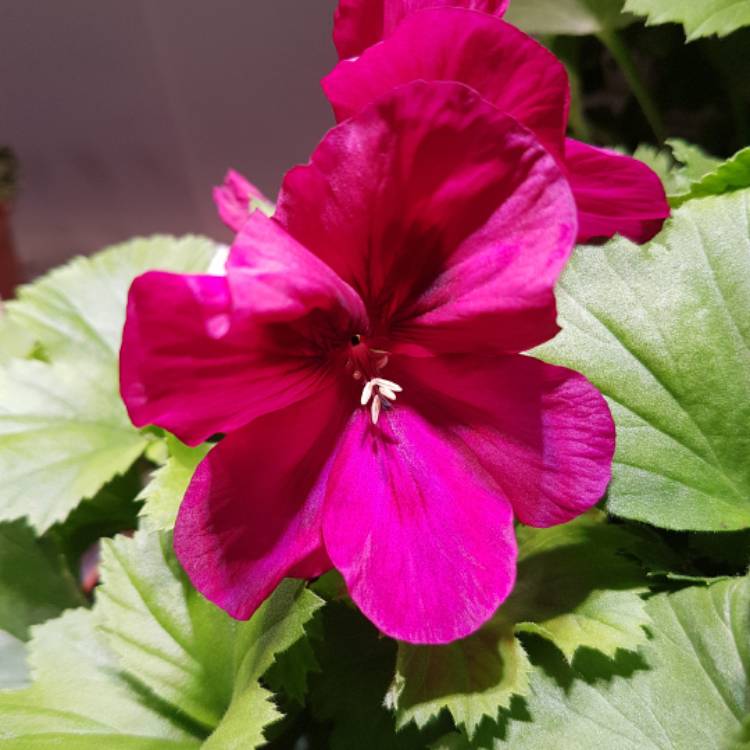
(359, 24)
(236, 199)
(362, 357)
(614, 193)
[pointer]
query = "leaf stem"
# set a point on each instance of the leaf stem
(612, 41)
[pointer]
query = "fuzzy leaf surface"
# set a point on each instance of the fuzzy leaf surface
(64, 433)
(663, 330)
(690, 688)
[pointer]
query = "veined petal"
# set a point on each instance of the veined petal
(614, 193)
(544, 433)
(449, 219)
(504, 65)
(234, 199)
(358, 24)
(190, 364)
(207, 354)
(277, 280)
(252, 512)
(423, 538)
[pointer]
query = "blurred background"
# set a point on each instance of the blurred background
(123, 115)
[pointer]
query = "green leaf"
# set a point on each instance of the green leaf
(169, 482)
(63, 434)
(576, 587)
(690, 688)
(694, 161)
(14, 340)
(472, 678)
(713, 177)
(187, 651)
(34, 584)
(63, 429)
(356, 667)
(78, 699)
(574, 17)
(154, 665)
(663, 330)
(80, 307)
(14, 672)
(699, 17)
(113, 510)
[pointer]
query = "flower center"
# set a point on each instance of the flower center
(365, 365)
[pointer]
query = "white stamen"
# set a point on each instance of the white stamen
(367, 392)
(357, 375)
(389, 384)
(378, 389)
(375, 409)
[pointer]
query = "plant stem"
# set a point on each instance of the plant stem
(612, 41)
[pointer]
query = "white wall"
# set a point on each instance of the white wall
(124, 113)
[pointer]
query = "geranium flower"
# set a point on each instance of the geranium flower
(614, 193)
(362, 357)
(358, 24)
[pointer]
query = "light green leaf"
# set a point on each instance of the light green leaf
(699, 17)
(154, 665)
(34, 584)
(713, 177)
(689, 689)
(14, 672)
(169, 482)
(192, 655)
(63, 434)
(574, 17)
(78, 700)
(576, 587)
(14, 340)
(472, 678)
(80, 307)
(694, 161)
(663, 330)
(63, 429)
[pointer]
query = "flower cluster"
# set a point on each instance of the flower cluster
(362, 353)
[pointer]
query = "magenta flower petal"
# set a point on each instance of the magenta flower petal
(614, 193)
(507, 67)
(441, 212)
(544, 433)
(359, 24)
(421, 535)
(208, 354)
(234, 198)
(252, 513)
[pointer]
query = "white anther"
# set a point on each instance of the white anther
(375, 409)
(377, 389)
(389, 384)
(367, 392)
(357, 375)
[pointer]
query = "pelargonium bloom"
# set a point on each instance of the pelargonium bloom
(358, 24)
(361, 356)
(614, 193)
